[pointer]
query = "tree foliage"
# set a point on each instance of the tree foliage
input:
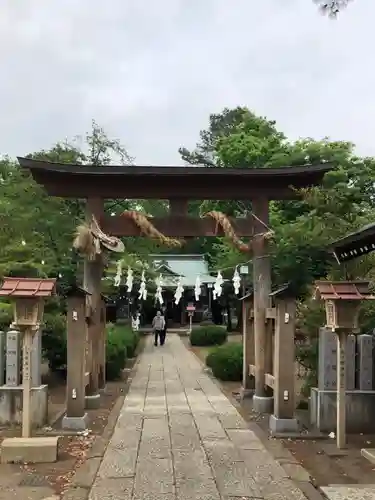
(37, 230)
(332, 7)
(303, 227)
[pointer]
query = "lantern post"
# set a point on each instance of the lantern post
(29, 295)
(342, 300)
(190, 310)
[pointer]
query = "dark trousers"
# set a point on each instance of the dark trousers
(160, 334)
(157, 336)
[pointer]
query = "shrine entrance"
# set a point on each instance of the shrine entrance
(174, 313)
(179, 185)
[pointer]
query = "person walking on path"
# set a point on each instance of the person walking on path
(164, 333)
(158, 325)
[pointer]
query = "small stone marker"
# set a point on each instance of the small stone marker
(36, 360)
(365, 346)
(13, 351)
(327, 372)
(350, 362)
(2, 357)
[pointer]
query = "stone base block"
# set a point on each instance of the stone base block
(283, 425)
(368, 454)
(360, 411)
(11, 405)
(262, 404)
(246, 393)
(35, 450)
(92, 402)
(75, 423)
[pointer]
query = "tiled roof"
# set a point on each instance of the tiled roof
(354, 245)
(27, 287)
(187, 266)
(346, 290)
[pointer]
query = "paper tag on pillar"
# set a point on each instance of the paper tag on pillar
(26, 363)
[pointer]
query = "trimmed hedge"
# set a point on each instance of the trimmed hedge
(131, 340)
(6, 315)
(226, 362)
(54, 342)
(121, 344)
(208, 335)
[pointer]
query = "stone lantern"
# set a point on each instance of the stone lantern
(342, 300)
(28, 311)
(28, 295)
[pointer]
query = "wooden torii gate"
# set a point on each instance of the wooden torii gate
(179, 184)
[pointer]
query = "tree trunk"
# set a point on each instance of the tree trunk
(239, 318)
(229, 317)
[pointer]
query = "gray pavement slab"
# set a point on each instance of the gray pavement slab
(355, 492)
(112, 489)
(179, 438)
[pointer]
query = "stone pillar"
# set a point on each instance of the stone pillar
(350, 362)
(75, 417)
(327, 369)
(262, 289)
(92, 390)
(342, 338)
(27, 347)
(93, 272)
(2, 357)
(13, 355)
(102, 356)
(269, 347)
(284, 374)
(327, 363)
(36, 359)
(248, 347)
(365, 364)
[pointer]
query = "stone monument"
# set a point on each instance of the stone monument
(365, 363)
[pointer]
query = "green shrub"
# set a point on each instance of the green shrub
(226, 362)
(54, 341)
(122, 343)
(131, 339)
(115, 355)
(207, 322)
(6, 315)
(126, 336)
(208, 335)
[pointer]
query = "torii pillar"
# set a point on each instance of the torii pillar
(262, 402)
(93, 272)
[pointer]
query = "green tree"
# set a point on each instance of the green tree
(35, 227)
(304, 227)
(37, 230)
(332, 7)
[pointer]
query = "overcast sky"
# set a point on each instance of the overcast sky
(151, 71)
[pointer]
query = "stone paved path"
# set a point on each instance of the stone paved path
(179, 437)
